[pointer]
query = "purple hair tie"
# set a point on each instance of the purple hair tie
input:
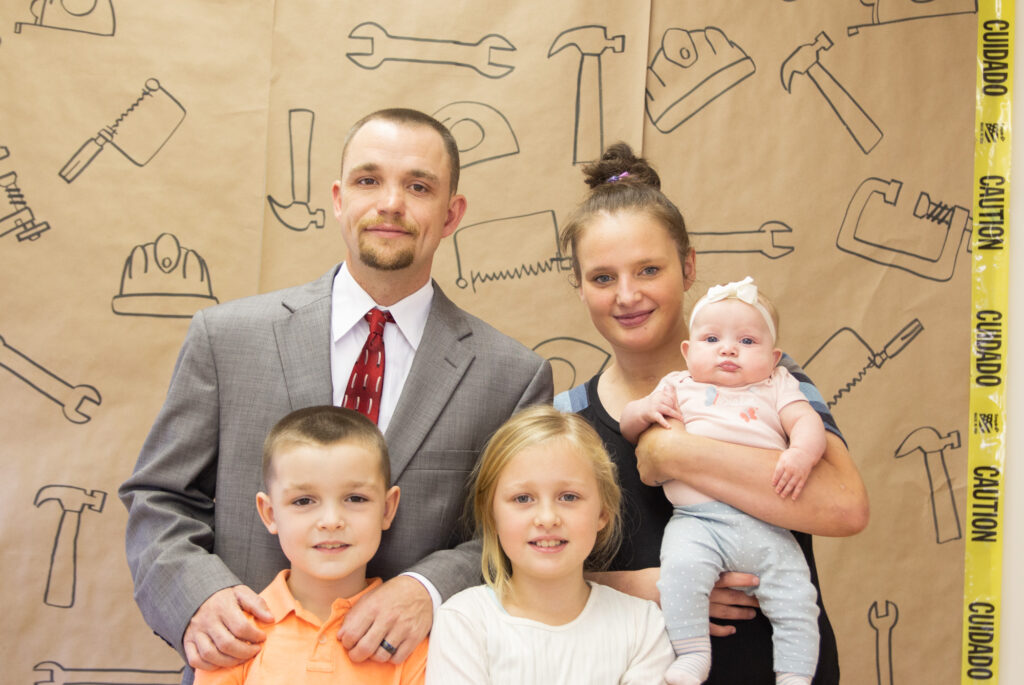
(618, 177)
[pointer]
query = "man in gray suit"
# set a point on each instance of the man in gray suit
(196, 548)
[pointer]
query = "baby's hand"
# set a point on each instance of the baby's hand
(791, 472)
(660, 406)
(639, 415)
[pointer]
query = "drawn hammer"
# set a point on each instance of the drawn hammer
(804, 60)
(297, 214)
(591, 41)
(928, 441)
(60, 583)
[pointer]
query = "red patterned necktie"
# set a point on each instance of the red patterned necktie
(364, 385)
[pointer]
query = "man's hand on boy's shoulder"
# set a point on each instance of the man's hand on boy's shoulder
(399, 611)
(220, 633)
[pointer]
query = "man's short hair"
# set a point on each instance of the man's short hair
(413, 117)
(322, 427)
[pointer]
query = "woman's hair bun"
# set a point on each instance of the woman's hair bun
(617, 160)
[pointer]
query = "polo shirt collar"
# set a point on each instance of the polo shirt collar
(281, 602)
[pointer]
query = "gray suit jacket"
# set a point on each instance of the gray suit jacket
(192, 524)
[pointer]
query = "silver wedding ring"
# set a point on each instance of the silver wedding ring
(388, 647)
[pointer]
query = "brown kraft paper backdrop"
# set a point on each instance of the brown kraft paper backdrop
(156, 158)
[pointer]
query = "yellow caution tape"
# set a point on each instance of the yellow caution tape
(989, 311)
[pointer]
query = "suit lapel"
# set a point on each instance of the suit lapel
(440, 363)
(304, 343)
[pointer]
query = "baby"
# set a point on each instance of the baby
(734, 391)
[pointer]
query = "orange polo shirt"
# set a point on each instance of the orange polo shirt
(299, 649)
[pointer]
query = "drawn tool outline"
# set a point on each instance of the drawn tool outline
(690, 70)
(60, 675)
(481, 132)
(955, 218)
(932, 445)
(297, 214)
(81, 16)
(806, 60)
(763, 240)
(580, 358)
(832, 392)
(62, 578)
(74, 400)
(138, 133)
(163, 279)
(558, 262)
(18, 216)
(592, 42)
(883, 623)
(911, 10)
(374, 45)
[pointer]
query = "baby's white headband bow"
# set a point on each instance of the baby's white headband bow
(744, 290)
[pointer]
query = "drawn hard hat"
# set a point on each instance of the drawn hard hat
(481, 132)
(689, 71)
(163, 279)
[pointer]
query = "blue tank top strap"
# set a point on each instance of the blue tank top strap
(572, 400)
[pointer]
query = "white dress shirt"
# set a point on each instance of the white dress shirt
(349, 304)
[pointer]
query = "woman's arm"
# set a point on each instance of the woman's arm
(834, 502)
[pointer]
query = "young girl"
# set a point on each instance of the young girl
(546, 505)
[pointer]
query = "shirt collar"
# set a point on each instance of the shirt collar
(349, 303)
(281, 602)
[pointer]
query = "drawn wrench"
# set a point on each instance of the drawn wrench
(762, 240)
(379, 46)
(103, 676)
(71, 398)
(883, 625)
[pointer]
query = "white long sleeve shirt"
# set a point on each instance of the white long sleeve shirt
(615, 639)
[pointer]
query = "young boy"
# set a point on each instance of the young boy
(326, 474)
(734, 390)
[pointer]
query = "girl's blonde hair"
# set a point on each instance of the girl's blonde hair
(538, 425)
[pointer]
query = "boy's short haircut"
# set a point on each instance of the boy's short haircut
(321, 427)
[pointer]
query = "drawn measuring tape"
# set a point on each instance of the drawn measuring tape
(983, 556)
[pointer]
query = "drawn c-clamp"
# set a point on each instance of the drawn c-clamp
(955, 219)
